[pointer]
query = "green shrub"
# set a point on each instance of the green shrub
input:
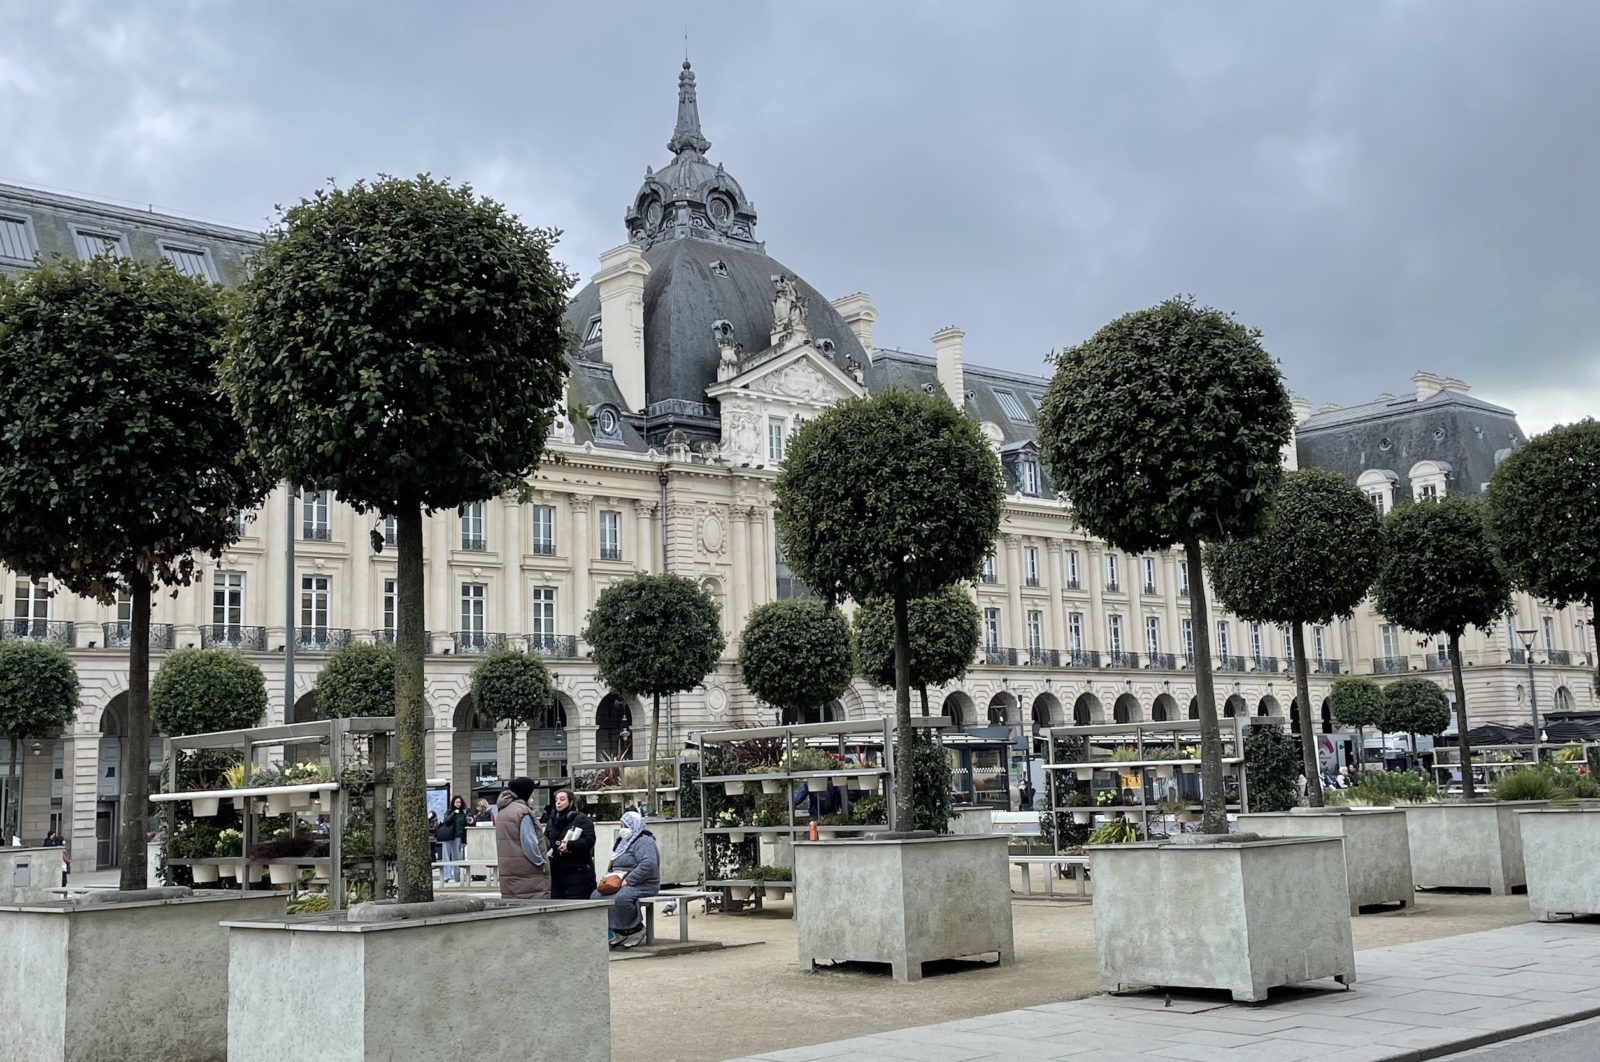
(1272, 760)
(1391, 787)
(930, 784)
(1527, 783)
(1118, 831)
(870, 811)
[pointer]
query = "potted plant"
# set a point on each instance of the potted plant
(729, 819)
(303, 774)
(1078, 801)
(772, 786)
(734, 788)
(826, 834)
(870, 811)
(775, 881)
(230, 845)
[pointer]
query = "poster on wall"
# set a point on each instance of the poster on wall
(439, 800)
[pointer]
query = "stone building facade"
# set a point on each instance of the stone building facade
(696, 356)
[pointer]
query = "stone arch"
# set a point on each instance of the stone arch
(854, 708)
(958, 708)
(1234, 706)
(1294, 716)
(1003, 709)
(305, 709)
(613, 727)
(474, 749)
(1164, 709)
(1194, 707)
(1126, 709)
(1327, 716)
(113, 727)
(1563, 699)
(549, 738)
(1047, 711)
(1268, 705)
(1087, 710)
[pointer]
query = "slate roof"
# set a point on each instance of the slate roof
(1469, 434)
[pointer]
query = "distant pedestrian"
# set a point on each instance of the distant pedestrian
(1026, 792)
(485, 816)
(454, 833)
(571, 838)
(523, 860)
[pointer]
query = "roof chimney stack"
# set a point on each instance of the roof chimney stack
(621, 282)
(947, 358)
(1427, 384)
(859, 313)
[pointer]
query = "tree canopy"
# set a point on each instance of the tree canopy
(120, 463)
(795, 654)
(358, 680)
(1356, 702)
(946, 629)
(511, 686)
(1415, 706)
(200, 691)
(38, 700)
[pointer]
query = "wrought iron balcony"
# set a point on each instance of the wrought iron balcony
(1083, 658)
(50, 632)
(1074, 584)
(388, 634)
(544, 549)
(1390, 665)
(475, 543)
(1435, 662)
(119, 635)
(233, 636)
(1560, 657)
(1326, 667)
(563, 646)
(1183, 591)
(320, 639)
(1031, 580)
(1150, 589)
(1230, 663)
(478, 641)
(1264, 663)
(1162, 661)
(1113, 586)
(611, 553)
(1186, 663)
(999, 656)
(1122, 658)
(1038, 656)
(1519, 656)
(313, 533)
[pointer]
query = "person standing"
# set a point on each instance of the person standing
(521, 851)
(571, 835)
(1026, 794)
(638, 860)
(455, 843)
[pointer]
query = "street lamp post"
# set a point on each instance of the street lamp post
(1527, 639)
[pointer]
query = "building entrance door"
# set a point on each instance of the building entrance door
(105, 835)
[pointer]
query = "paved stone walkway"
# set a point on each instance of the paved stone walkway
(1418, 1001)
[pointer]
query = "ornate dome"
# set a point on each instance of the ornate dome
(690, 197)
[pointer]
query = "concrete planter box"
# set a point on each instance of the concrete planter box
(1468, 846)
(903, 900)
(1377, 854)
(676, 838)
(971, 821)
(134, 981)
(1561, 851)
(1243, 915)
(28, 874)
(340, 990)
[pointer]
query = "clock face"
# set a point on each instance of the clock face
(721, 209)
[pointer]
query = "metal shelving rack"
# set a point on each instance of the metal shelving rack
(667, 793)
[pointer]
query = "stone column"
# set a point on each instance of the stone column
(1094, 577)
(358, 607)
(739, 568)
(1055, 627)
(1015, 635)
(582, 550)
(510, 549)
(648, 555)
(763, 563)
(442, 608)
(268, 589)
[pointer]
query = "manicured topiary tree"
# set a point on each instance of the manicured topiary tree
(1165, 428)
(655, 635)
(402, 343)
(1273, 762)
(795, 654)
(38, 698)
(514, 687)
(120, 465)
(200, 691)
(893, 496)
(944, 630)
(1312, 561)
(1439, 573)
(1356, 702)
(358, 680)
(1542, 510)
(1418, 706)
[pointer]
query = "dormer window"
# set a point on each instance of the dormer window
(92, 243)
(17, 242)
(189, 260)
(591, 332)
(1010, 406)
(1028, 476)
(719, 268)
(1378, 485)
(1428, 480)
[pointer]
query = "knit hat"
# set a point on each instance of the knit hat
(522, 786)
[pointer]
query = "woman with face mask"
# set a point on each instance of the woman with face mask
(571, 835)
(637, 860)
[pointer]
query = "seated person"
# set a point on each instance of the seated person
(638, 860)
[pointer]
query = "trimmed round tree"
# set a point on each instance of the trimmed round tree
(200, 691)
(655, 635)
(894, 496)
(795, 654)
(1166, 428)
(1542, 510)
(402, 343)
(1438, 573)
(38, 699)
(1312, 561)
(944, 631)
(1356, 702)
(118, 446)
(512, 686)
(1418, 706)
(358, 680)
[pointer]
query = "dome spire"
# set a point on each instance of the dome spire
(687, 135)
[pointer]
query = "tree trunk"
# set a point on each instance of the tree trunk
(655, 734)
(903, 798)
(12, 826)
(1308, 740)
(1361, 747)
(1469, 789)
(1214, 814)
(923, 690)
(135, 765)
(413, 845)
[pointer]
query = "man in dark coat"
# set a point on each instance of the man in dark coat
(571, 838)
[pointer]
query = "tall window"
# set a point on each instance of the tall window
(391, 612)
(190, 261)
(988, 575)
(1318, 641)
(610, 535)
(1030, 565)
(1028, 476)
(1183, 579)
(1223, 648)
(31, 607)
(1389, 638)
(1114, 634)
(1152, 635)
(314, 595)
(1186, 633)
(314, 525)
(1428, 492)
(391, 531)
(1149, 566)
(1379, 500)
(1256, 648)
(775, 439)
(544, 618)
(474, 598)
(124, 607)
(472, 530)
(1035, 631)
(1075, 632)
(1112, 582)
(1008, 403)
(991, 628)
(227, 599)
(1549, 633)
(92, 243)
(789, 584)
(544, 530)
(1286, 639)
(1070, 563)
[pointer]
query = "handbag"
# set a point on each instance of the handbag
(609, 885)
(444, 832)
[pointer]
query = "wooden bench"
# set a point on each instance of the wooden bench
(1028, 862)
(682, 897)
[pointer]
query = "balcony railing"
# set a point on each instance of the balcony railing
(475, 543)
(320, 639)
(316, 534)
(51, 632)
(1030, 580)
(1113, 587)
(999, 656)
(1265, 663)
(1122, 658)
(477, 641)
(1186, 662)
(1230, 663)
(544, 549)
(1083, 658)
(1519, 656)
(1390, 665)
(611, 553)
(1183, 591)
(1150, 589)
(564, 646)
(1074, 584)
(119, 635)
(1325, 667)
(1038, 656)
(1560, 657)
(233, 636)
(1162, 661)
(1435, 662)
(387, 634)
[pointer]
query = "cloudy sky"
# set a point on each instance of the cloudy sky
(1380, 186)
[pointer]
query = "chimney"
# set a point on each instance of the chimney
(1327, 407)
(1427, 385)
(1450, 383)
(1301, 407)
(859, 313)
(947, 358)
(621, 282)
(1384, 397)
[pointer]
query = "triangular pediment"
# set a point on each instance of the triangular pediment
(801, 374)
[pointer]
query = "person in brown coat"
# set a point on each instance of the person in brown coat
(519, 846)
